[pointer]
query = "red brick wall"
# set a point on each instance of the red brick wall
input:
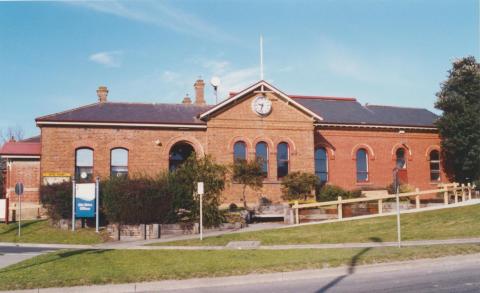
(145, 156)
(381, 145)
(27, 172)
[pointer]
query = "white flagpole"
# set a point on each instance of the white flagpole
(261, 57)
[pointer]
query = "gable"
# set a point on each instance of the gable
(258, 89)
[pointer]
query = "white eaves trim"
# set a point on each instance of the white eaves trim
(251, 88)
(376, 126)
(149, 125)
(19, 157)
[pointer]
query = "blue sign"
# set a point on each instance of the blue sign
(85, 200)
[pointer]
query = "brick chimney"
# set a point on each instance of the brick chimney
(187, 100)
(199, 86)
(102, 94)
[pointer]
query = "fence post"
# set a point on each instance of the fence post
(417, 198)
(463, 192)
(339, 208)
(297, 221)
(445, 194)
(455, 185)
(380, 206)
(469, 186)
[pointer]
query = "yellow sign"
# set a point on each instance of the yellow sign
(56, 174)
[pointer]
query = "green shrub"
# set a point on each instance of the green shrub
(133, 201)
(57, 200)
(404, 188)
(182, 186)
(249, 174)
(298, 185)
(332, 192)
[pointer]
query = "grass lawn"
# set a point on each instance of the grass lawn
(461, 222)
(41, 232)
(83, 267)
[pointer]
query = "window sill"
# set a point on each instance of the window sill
(364, 183)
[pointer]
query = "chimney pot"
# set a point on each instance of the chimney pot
(199, 86)
(102, 93)
(187, 100)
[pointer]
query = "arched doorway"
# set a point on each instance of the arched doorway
(179, 153)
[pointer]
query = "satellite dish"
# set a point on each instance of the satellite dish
(215, 81)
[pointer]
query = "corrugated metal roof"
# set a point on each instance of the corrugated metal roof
(27, 147)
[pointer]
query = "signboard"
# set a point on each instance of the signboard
(19, 188)
(200, 188)
(55, 177)
(3, 209)
(56, 174)
(85, 200)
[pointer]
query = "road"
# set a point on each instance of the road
(452, 274)
(13, 254)
(448, 274)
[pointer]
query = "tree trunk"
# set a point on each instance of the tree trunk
(244, 197)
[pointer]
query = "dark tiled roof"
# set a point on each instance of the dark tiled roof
(131, 113)
(331, 109)
(350, 111)
(403, 116)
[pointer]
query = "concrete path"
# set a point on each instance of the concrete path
(447, 274)
(13, 254)
(247, 246)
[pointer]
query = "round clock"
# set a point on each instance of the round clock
(261, 105)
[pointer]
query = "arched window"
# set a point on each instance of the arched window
(261, 154)
(321, 164)
(401, 163)
(179, 153)
(118, 162)
(362, 165)
(282, 159)
(239, 151)
(84, 164)
(435, 165)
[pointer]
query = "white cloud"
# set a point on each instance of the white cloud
(108, 59)
(160, 14)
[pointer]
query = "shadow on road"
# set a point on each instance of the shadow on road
(351, 268)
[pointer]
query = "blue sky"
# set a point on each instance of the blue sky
(53, 55)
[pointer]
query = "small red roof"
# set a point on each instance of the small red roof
(28, 147)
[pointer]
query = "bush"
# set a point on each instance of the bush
(404, 188)
(332, 192)
(182, 186)
(57, 200)
(298, 185)
(134, 201)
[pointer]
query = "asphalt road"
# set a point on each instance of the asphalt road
(445, 275)
(13, 254)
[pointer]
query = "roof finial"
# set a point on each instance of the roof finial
(261, 57)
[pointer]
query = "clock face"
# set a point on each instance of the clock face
(261, 105)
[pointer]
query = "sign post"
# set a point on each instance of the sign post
(97, 200)
(397, 193)
(200, 192)
(73, 203)
(19, 193)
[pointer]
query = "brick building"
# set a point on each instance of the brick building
(340, 140)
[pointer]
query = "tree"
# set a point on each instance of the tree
(249, 174)
(298, 185)
(16, 133)
(183, 185)
(459, 125)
